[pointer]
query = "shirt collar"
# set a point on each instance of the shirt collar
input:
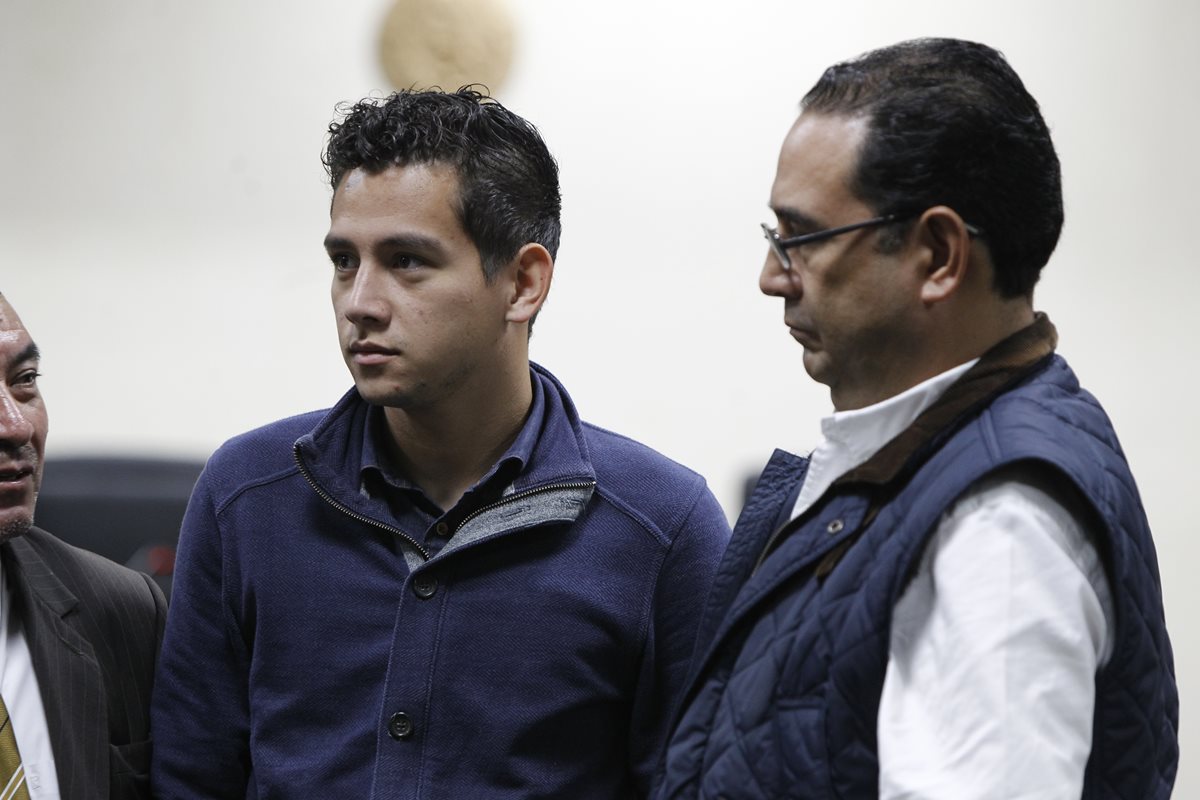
(1000, 368)
(5, 605)
(862, 431)
(852, 437)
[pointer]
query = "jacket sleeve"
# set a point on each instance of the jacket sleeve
(199, 709)
(683, 583)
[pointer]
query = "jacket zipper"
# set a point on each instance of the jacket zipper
(521, 496)
(351, 513)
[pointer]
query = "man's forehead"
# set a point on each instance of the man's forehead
(816, 163)
(352, 179)
(8, 317)
(413, 197)
(818, 137)
(356, 176)
(13, 336)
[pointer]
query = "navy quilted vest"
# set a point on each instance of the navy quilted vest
(792, 652)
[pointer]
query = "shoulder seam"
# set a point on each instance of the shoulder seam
(219, 507)
(665, 537)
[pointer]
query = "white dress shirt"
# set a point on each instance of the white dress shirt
(19, 687)
(990, 682)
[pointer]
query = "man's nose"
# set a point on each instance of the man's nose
(15, 428)
(365, 300)
(775, 280)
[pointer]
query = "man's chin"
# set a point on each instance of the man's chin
(14, 526)
(380, 397)
(815, 364)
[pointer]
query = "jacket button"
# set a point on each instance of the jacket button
(400, 726)
(425, 586)
(835, 527)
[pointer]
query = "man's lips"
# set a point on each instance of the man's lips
(803, 335)
(367, 353)
(12, 475)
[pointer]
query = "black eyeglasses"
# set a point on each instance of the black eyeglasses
(780, 246)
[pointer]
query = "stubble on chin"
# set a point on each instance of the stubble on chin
(19, 523)
(14, 528)
(391, 397)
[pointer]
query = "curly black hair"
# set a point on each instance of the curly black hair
(950, 123)
(507, 179)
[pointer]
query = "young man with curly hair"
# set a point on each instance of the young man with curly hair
(448, 585)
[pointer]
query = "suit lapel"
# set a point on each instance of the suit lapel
(67, 672)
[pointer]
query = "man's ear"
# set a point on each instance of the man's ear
(534, 268)
(944, 239)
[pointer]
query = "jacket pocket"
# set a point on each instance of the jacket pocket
(799, 745)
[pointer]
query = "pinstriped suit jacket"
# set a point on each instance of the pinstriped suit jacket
(94, 629)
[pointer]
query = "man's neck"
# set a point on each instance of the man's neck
(953, 340)
(447, 450)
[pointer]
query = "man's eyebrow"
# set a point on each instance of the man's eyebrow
(30, 353)
(411, 241)
(337, 243)
(400, 241)
(795, 218)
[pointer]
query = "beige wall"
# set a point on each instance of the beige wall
(163, 208)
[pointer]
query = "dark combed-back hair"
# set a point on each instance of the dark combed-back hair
(950, 123)
(507, 179)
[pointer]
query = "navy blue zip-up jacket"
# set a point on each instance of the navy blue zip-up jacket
(314, 650)
(793, 650)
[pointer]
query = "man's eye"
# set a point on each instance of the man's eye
(405, 261)
(27, 379)
(342, 261)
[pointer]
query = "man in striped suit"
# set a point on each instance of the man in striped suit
(79, 635)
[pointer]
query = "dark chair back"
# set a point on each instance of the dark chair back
(126, 509)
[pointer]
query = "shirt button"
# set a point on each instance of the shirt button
(835, 527)
(400, 726)
(425, 586)
(442, 529)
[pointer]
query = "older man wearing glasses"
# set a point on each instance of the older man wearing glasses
(956, 594)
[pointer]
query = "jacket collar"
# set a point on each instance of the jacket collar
(32, 579)
(333, 452)
(1006, 364)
